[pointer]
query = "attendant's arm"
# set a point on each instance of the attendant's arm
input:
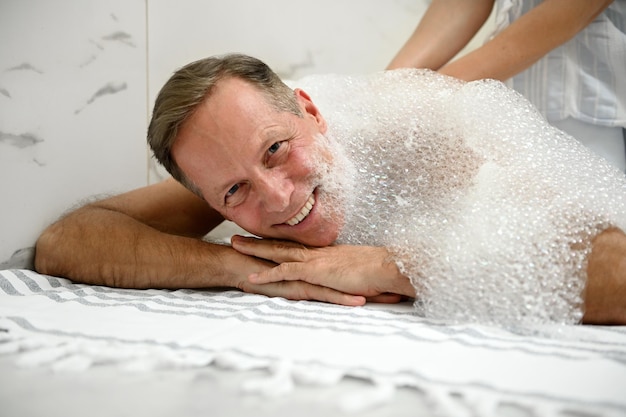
(525, 41)
(445, 29)
(151, 238)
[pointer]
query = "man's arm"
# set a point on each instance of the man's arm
(151, 238)
(368, 271)
(148, 237)
(605, 293)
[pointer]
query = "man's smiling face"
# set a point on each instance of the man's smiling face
(261, 168)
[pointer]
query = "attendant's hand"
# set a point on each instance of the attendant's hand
(360, 270)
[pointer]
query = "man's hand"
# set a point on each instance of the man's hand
(300, 290)
(360, 270)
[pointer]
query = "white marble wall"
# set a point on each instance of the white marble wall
(78, 77)
(73, 108)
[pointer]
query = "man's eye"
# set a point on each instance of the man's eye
(232, 190)
(274, 148)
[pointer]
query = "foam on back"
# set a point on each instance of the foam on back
(487, 208)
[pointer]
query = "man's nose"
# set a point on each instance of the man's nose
(275, 191)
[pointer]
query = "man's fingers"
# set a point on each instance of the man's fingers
(278, 251)
(386, 298)
(315, 292)
(299, 290)
(287, 271)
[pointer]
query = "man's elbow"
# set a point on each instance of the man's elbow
(47, 252)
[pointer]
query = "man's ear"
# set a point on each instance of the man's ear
(310, 109)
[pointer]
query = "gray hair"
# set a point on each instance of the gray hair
(189, 86)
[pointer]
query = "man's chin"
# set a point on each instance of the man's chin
(324, 234)
(319, 240)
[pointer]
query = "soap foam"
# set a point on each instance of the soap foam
(488, 209)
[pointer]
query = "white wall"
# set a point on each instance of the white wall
(72, 108)
(78, 77)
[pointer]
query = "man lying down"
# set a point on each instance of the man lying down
(374, 187)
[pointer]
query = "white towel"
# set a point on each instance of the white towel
(465, 369)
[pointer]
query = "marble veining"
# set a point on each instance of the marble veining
(295, 69)
(109, 88)
(20, 141)
(118, 36)
(121, 37)
(25, 66)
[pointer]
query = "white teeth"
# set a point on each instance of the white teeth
(303, 213)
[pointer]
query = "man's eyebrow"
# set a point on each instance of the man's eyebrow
(278, 132)
(275, 133)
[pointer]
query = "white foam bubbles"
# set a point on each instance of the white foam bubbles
(488, 209)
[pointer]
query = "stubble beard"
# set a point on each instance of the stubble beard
(334, 173)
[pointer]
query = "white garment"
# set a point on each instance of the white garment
(586, 77)
(608, 142)
(583, 79)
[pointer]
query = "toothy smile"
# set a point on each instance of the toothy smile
(303, 212)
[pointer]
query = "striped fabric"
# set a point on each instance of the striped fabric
(465, 369)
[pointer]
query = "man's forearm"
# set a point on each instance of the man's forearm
(99, 246)
(605, 293)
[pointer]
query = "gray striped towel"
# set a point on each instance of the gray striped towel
(467, 370)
